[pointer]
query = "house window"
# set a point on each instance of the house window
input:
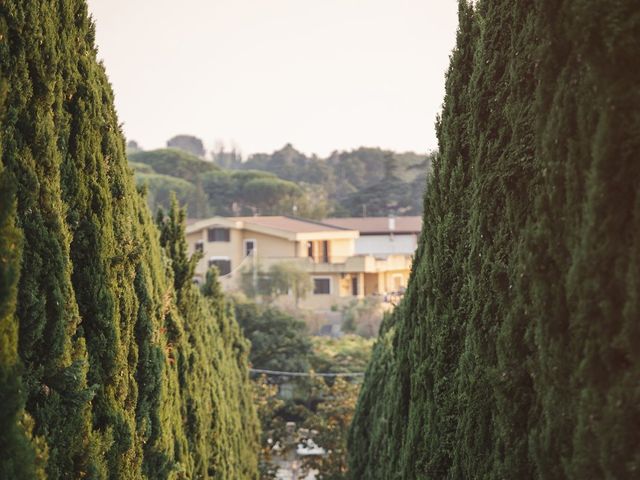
(218, 234)
(310, 249)
(354, 286)
(325, 251)
(249, 247)
(199, 246)
(222, 263)
(321, 286)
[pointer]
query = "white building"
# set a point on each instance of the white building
(382, 236)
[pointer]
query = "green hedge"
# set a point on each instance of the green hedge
(514, 353)
(109, 368)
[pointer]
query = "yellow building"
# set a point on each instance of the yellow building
(327, 252)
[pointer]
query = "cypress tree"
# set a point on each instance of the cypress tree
(18, 453)
(54, 356)
(105, 330)
(438, 281)
(585, 305)
(213, 430)
(490, 369)
(511, 355)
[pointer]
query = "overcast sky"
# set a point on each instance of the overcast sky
(323, 75)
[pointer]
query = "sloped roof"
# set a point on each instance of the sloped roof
(377, 225)
(291, 228)
(290, 224)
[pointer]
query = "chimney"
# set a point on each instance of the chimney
(392, 223)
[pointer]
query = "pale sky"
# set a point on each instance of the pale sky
(323, 75)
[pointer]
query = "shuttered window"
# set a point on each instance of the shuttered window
(218, 234)
(321, 286)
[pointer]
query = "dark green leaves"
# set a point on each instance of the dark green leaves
(510, 356)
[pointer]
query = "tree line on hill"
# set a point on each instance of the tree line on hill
(208, 190)
(515, 351)
(113, 364)
(362, 182)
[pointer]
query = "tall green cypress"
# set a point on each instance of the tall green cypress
(18, 454)
(212, 427)
(490, 371)
(438, 281)
(511, 355)
(585, 321)
(104, 329)
(53, 355)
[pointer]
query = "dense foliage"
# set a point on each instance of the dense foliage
(174, 162)
(279, 279)
(514, 353)
(159, 189)
(250, 192)
(331, 419)
(216, 405)
(208, 190)
(363, 316)
(366, 181)
(320, 408)
(112, 364)
(278, 340)
(18, 459)
(349, 353)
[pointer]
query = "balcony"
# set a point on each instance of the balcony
(356, 263)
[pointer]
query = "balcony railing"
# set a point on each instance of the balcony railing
(355, 263)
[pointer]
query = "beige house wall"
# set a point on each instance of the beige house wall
(370, 284)
(192, 238)
(231, 249)
(341, 248)
(395, 279)
(269, 246)
(344, 286)
(301, 249)
(341, 291)
(338, 296)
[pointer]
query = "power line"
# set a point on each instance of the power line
(305, 374)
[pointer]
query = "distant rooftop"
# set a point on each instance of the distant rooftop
(289, 227)
(290, 224)
(379, 225)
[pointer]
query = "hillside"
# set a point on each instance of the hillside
(367, 181)
(206, 189)
(174, 162)
(112, 363)
(514, 353)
